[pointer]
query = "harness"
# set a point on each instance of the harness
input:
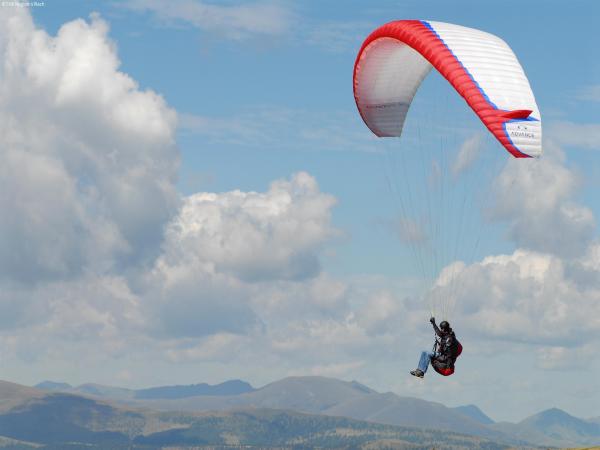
(444, 365)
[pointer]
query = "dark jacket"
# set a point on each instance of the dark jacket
(445, 348)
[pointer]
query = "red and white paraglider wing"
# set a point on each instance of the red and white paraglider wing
(395, 58)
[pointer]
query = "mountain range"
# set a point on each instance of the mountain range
(335, 398)
(36, 419)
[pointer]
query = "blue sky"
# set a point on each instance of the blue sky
(223, 197)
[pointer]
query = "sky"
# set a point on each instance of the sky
(189, 195)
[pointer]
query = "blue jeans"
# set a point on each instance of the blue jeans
(425, 360)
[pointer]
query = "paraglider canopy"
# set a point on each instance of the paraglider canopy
(395, 58)
(439, 186)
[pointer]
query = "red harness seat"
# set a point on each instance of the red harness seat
(447, 371)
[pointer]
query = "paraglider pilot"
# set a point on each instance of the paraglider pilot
(445, 351)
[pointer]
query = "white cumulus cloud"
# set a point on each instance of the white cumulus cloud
(89, 159)
(528, 297)
(537, 199)
(227, 257)
(255, 236)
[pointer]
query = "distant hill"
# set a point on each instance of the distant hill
(12, 395)
(61, 421)
(555, 427)
(68, 421)
(62, 418)
(475, 413)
